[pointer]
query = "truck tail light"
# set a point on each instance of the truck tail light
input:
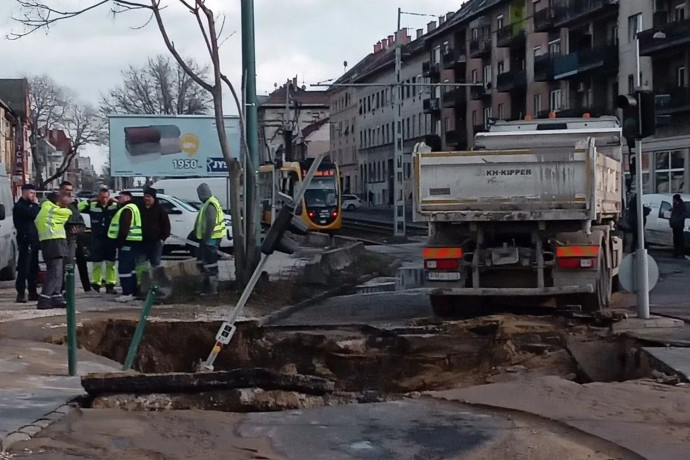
(442, 253)
(442, 264)
(574, 263)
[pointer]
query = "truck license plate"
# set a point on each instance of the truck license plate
(443, 276)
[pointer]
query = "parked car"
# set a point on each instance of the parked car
(658, 230)
(182, 219)
(185, 188)
(350, 202)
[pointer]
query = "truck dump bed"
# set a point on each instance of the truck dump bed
(518, 175)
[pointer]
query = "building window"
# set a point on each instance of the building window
(555, 47)
(499, 22)
(487, 76)
(680, 77)
(487, 116)
(500, 68)
(555, 100)
(631, 84)
(449, 125)
(679, 12)
(419, 128)
(474, 76)
(475, 34)
(538, 51)
(669, 171)
(500, 111)
(414, 122)
(537, 104)
(634, 26)
(474, 118)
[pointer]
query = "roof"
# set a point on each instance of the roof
(313, 127)
(468, 11)
(14, 91)
(297, 94)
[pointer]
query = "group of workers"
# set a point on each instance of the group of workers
(120, 230)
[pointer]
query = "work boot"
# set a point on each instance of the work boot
(44, 303)
(58, 301)
(20, 298)
(33, 296)
(211, 287)
(96, 287)
(110, 289)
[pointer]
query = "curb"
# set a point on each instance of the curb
(30, 430)
(292, 309)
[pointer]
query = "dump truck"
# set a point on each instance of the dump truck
(529, 213)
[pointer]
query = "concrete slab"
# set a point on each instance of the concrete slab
(654, 322)
(675, 360)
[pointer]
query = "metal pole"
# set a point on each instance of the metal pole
(251, 123)
(398, 188)
(641, 253)
(139, 331)
(71, 323)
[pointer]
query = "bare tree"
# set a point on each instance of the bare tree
(161, 86)
(49, 101)
(42, 14)
(83, 126)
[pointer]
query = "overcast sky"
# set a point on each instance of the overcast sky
(306, 38)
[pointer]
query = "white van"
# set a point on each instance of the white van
(185, 189)
(658, 228)
(8, 234)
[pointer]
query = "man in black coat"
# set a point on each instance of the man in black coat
(23, 214)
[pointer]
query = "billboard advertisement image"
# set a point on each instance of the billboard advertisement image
(169, 145)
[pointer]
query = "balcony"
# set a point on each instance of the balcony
(478, 93)
(480, 47)
(672, 100)
(511, 36)
(543, 67)
(430, 70)
(511, 81)
(543, 20)
(454, 59)
(671, 36)
(454, 97)
(601, 57)
(568, 12)
(431, 105)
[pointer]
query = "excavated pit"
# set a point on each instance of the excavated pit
(364, 364)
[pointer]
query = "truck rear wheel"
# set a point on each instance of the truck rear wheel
(600, 299)
(456, 307)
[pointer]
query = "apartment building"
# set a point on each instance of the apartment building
(366, 112)
(533, 58)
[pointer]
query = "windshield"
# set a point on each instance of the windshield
(195, 204)
(322, 192)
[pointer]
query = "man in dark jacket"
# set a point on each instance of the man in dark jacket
(155, 224)
(23, 214)
(101, 211)
(677, 223)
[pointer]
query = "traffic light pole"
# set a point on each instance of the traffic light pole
(399, 230)
(641, 253)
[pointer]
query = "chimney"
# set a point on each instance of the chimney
(391, 41)
(294, 81)
(449, 15)
(431, 26)
(441, 19)
(377, 47)
(384, 44)
(420, 32)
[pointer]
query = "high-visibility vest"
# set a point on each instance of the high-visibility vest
(101, 216)
(50, 221)
(134, 228)
(200, 224)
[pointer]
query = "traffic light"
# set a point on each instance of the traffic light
(276, 240)
(639, 114)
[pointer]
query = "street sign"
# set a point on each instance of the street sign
(627, 274)
(169, 146)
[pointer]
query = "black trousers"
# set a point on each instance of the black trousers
(678, 241)
(27, 265)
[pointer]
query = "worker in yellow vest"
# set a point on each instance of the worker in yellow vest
(125, 230)
(209, 229)
(50, 224)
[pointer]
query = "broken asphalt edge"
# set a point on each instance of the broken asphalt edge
(507, 411)
(30, 430)
(289, 310)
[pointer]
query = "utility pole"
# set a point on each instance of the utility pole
(287, 129)
(251, 211)
(398, 184)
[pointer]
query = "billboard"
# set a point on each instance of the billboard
(169, 145)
